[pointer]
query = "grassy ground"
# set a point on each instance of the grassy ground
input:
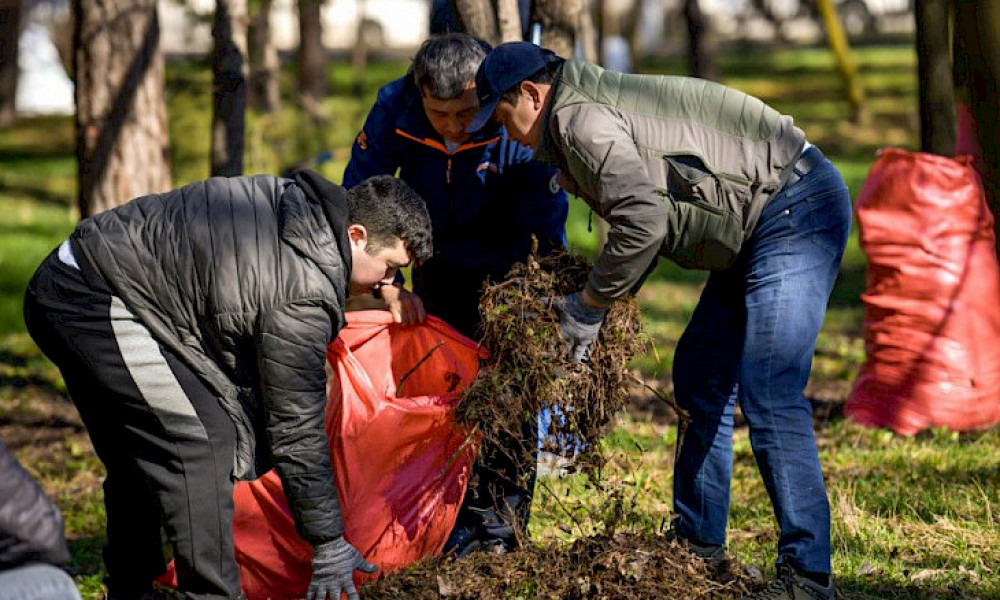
(913, 517)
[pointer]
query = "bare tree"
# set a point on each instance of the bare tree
(617, 18)
(312, 57)
(508, 21)
(562, 21)
(478, 19)
(701, 63)
(764, 9)
(229, 93)
(937, 90)
(10, 29)
(263, 92)
(977, 66)
(359, 54)
(121, 120)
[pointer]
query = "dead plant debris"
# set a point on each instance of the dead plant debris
(612, 567)
(529, 368)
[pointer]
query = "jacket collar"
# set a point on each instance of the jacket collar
(413, 121)
(333, 201)
(547, 150)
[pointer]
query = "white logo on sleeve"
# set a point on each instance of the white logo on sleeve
(554, 184)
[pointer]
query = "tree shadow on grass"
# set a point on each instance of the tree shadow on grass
(34, 192)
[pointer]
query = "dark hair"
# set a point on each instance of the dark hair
(546, 74)
(445, 64)
(389, 209)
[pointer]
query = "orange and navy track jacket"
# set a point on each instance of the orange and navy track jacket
(486, 197)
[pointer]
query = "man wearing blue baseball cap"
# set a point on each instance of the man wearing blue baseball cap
(713, 179)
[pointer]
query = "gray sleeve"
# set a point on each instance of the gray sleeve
(604, 162)
(31, 528)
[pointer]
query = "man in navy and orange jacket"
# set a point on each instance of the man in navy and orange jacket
(486, 200)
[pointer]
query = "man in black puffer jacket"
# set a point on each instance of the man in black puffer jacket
(187, 325)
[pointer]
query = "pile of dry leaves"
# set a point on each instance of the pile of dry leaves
(612, 567)
(529, 369)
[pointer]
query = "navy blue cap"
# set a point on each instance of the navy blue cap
(504, 67)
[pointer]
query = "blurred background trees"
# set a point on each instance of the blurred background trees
(253, 47)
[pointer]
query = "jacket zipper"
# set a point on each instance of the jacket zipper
(451, 192)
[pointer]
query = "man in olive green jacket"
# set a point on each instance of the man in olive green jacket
(713, 179)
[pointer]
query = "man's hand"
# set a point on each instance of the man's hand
(333, 567)
(405, 306)
(580, 322)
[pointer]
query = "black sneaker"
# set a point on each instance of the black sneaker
(464, 541)
(789, 585)
(714, 556)
(461, 542)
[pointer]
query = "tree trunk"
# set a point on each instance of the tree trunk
(762, 7)
(263, 93)
(586, 32)
(312, 58)
(701, 63)
(10, 29)
(121, 121)
(509, 21)
(478, 19)
(560, 21)
(229, 68)
(359, 54)
(937, 90)
(845, 63)
(977, 62)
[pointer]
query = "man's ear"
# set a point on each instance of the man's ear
(533, 92)
(358, 235)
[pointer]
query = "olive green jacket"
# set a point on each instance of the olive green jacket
(678, 167)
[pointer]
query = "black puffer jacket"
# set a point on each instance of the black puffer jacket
(31, 528)
(245, 279)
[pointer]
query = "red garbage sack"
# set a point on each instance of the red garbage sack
(932, 303)
(401, 463)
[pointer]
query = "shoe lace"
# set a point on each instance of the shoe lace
(775, 590)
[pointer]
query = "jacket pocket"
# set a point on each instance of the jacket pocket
(689, 179)
(707, 222)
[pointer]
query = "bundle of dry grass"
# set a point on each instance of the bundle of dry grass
(612, 567)
(530, 369)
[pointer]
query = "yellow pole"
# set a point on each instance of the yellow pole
(845, 64)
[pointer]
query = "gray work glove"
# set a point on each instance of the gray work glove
(333, 567)
(581, 322)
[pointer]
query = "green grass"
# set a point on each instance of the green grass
(913, 517)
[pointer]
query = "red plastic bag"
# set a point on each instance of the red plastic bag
(932, 303)
(401, 464)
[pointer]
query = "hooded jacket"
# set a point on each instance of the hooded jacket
(679, 167)
(245, 279)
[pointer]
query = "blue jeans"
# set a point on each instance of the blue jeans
(37, 582)
(751, 339)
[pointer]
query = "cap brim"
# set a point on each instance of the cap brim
(482, 117)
